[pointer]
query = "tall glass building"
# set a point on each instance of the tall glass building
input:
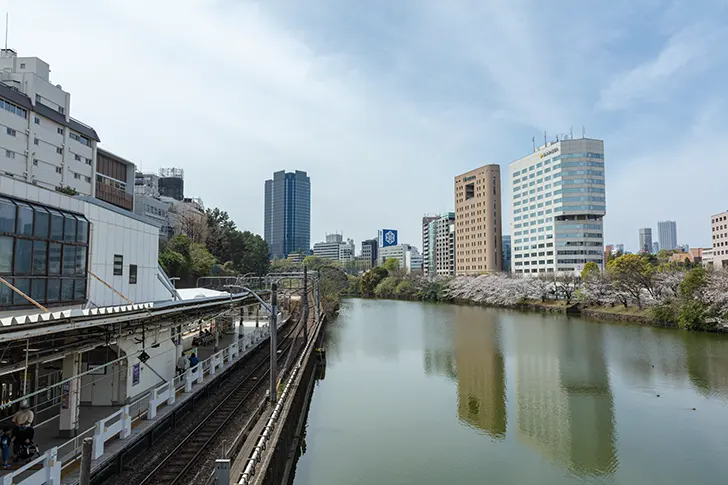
(288, 213)
(558, 206)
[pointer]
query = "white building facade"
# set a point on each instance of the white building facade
(409, 257)
(667, 234)
(335, 249)
(557, 207)
(51, 243)
(719, 229)
(39, 142)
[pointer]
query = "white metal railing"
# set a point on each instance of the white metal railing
(119, 424)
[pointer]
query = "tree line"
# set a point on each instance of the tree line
(213, 245)
(682, 294)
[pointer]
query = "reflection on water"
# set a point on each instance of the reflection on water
(564, 403)
(480, 372)
(425, 394)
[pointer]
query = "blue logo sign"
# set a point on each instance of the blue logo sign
(388, 238)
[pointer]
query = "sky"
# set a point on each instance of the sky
(384, 102)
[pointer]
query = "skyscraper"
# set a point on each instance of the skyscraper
(288, 213)
(478, 227)
(667, 234)
(558, 207)
(645, 240)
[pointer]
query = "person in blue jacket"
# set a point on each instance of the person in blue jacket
(193, 362)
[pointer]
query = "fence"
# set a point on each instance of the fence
(119, 424)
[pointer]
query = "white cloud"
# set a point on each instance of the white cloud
(680, 58)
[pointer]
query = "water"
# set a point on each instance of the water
(442, 394)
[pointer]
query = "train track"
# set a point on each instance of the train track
(181, 464)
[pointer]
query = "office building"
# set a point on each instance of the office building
(506, 245)
(115, 180)
(370, 251)
(171, 183)
(667, 234)
(478, 227)
(408, 256)
(438, 245)
(335, 249)
(645, 240)
(719, 229)
(708, 257)
(288, 213)
(146, 184)
(558, 206)
(618, 249)
(655, 247)
(40, 143)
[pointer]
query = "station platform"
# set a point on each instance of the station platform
(66, 450)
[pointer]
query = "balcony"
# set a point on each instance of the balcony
(114, 196)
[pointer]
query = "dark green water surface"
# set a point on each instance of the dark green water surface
(441, 394)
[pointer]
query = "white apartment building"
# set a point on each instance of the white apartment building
(39, 141)
(558, 205)
(438, 244)
(719, 226)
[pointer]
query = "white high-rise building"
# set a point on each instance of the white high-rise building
(667, 234)
(39, 141)
(558, 205)
(336, 249)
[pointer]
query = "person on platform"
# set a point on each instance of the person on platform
(5, 440)
(183, 364)
(23, 421)
(194, 361)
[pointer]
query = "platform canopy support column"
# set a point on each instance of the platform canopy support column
(70, 396)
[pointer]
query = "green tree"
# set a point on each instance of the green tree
(316, 262)
(174, 264)
(201, 260)
(632, 274)
(391, 265)
(371, 279)
(68, 190)
(386, 288)
(590, 268)
(694, 281)
(406, 289)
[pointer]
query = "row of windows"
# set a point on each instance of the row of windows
(42, 290)
(20, 256)
(573, 252)
(564, 165)
(579, 260)
(581, 181)
(578, 235)
(540, 270)
(590, 198)
(580, 155)
(16, 110)
(573, 173)
(579, 226)
(527, 263)
(79, 138)
(24, 219)
(581, 207)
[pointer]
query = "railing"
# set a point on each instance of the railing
(119, 424)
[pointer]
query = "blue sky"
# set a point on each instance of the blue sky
(383, 102)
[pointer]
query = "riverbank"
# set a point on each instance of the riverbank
(603, 314)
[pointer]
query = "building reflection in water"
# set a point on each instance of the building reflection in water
(564, 404)
(480, 368)
(438, 358)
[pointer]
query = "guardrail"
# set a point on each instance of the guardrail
(118, 425)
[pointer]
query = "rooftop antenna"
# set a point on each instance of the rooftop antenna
(544, 137)
(583, 131)
(6, 30)
(533, 140)
(571, 132)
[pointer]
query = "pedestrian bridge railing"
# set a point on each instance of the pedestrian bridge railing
(119, 424)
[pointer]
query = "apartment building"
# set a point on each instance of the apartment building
(667, 234)
(558, 206)
(335, 249)
(115, 179)
(478, 228)
(39, 141)
(645, 239)
(719, 225)
(438, 244)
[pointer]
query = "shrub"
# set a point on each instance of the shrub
(692, 316)
(664, 313)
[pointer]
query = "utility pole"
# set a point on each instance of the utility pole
(305, 303)
(85, 478)
(273, 345)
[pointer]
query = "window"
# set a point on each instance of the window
(89, 161)
(132, 274)
(77, 176)
(77, 157)
(36, 141)
(40, 258)
(9, 154)
(469, 191)
(17, 110)
(61, 109)
(22, 65)
(59, 150)
(59, 130)
(35, 162)
(59, 169)
(11, 132)
(6, 255)
(88, 179)
(37, 98)
(118, 265)
(37, 120)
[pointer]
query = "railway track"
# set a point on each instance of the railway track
(183, 462)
